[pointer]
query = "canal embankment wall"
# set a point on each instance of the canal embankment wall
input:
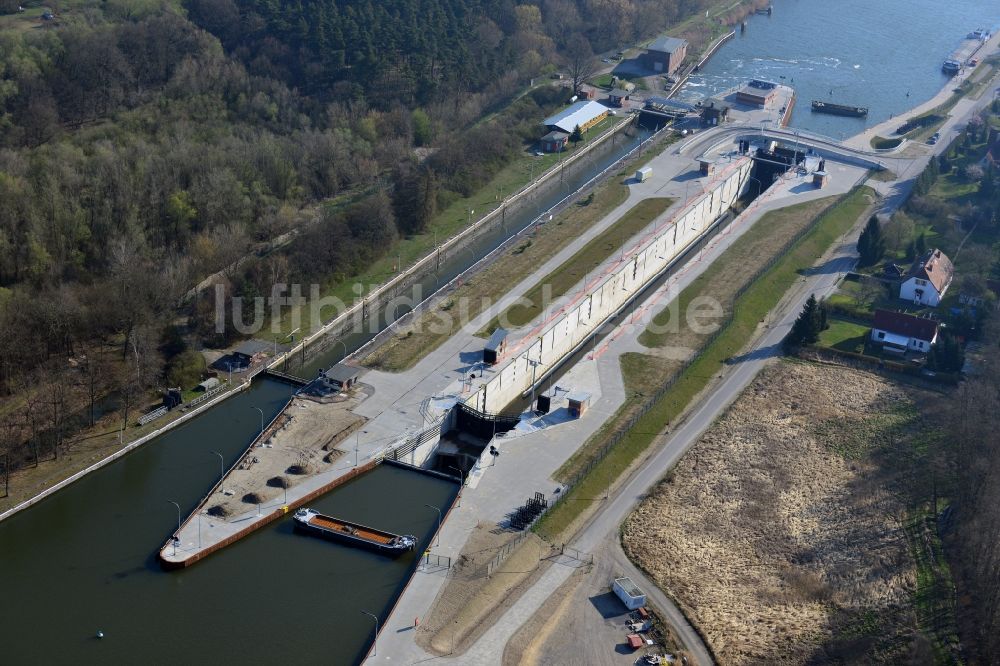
(543, 348)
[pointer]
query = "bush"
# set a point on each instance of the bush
(278, 482)
(186, 369)
(298, 469)
(254, 498)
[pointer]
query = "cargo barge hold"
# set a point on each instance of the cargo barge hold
(353, 534)
(839, 109)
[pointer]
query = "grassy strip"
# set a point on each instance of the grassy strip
(881, 143)
(934, 597)
(722, 281)
(576, 268)
(750, 309)
(432, 328)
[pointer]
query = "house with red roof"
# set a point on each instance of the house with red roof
(899, 332)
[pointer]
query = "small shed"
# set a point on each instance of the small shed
(820, 179)
(495, 347)
(706, 165)
(554, 141)
(578, 401)
(628, 592)
(172, 398)
(207, 385)
(341, 377)
(618, 97)
(644, 174)
(251, 352)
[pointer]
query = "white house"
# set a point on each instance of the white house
(928, 279)
(899, 332)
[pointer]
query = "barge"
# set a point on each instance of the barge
(353, 534)
(839, 109)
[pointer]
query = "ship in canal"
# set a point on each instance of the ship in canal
(353, 534)
(839, 109)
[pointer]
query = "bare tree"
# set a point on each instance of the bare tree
(580, 60)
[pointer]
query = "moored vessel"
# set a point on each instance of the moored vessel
(354, 534)
(839, 109)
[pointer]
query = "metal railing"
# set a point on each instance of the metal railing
(504, 553)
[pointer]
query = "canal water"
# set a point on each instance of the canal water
(331, 351)
(84, 560)
(855, 52)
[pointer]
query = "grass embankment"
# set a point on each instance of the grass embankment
(447, 223)
(577, 267)
(753, 306)
(882, 143)
(925, 124)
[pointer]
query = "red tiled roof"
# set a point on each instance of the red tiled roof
(935, 267)
(909, 325)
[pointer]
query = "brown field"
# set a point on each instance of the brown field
(781, 533)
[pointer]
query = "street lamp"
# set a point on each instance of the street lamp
(178, 523)
(222, 469)
(375, 643)
(430, 506)
(261, 418)
(461, 475)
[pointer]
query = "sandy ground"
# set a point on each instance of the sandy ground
(778, 534)
(464, 608)
(309, 434)
(583, 617)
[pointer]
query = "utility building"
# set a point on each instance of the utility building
(665, 54)
(495, 347)
(582, 114)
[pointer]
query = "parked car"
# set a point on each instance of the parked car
(605, 60)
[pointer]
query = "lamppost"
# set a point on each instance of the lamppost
(461, 475)
(178, 523)
(222, 469)
(431, 506)
(261, 418)
(375, 643)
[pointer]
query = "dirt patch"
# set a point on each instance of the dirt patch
(470, 601)
(780, 533)
(296, 449)
(527, 644)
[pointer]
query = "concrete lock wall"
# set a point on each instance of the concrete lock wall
(585, 314)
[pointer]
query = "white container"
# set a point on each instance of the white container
(643, 174)
(627, 591)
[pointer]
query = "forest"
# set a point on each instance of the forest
(146, 145)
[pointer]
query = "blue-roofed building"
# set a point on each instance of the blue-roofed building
(665, 54)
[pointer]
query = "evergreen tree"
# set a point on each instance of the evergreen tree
(871, 243)
(577, 135)
(947, 354)
(911, 250)
(806, 329)
(921, 244)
